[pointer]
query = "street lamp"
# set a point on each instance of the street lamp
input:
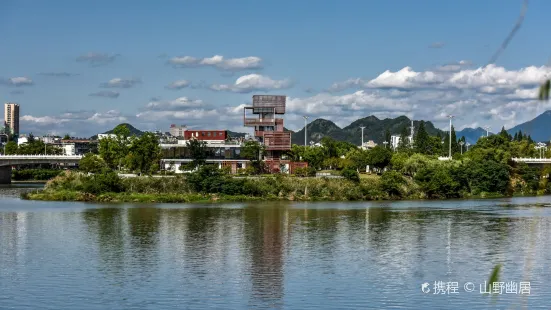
(461, 144)
(305, 129)
(468, 144)
(385, 143)
(362, 136)
(487, 128)
(450, 143)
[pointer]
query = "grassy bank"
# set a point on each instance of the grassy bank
(211, 185)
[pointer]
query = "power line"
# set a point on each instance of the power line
(508, 39)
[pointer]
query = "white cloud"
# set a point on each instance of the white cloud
(106, 93)
(181, 103)
(437, 45)
(219, 62)
(97, 59)
(121, 83)
(85, 123)
(253, 82)
(491, 96)
(180, 84)
(17, 81)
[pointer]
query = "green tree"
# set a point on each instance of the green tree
(351, 175)
(359, 159)
(144, 153)
(11, 148)
(379, 157)
(198, 152)
(330, 147)
(254, 151)
(403, 144)
(114, 149)
(67, 137)
(91, 163)
(422, 141)
(387, 136)
(392, 182)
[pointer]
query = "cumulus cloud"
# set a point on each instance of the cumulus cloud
(437, 45)
(181, 103)
(253, 82)
(58, 74)
(489, 79)
(219, 62)
(180, 84)
(492, 96)
(97, 59)
(80, 123)
(121, 83)
(17, 81)
(105, 93)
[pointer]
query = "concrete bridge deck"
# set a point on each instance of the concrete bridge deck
(7, 161)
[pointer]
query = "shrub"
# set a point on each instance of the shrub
(305, 172)
(105, 182)
(392, 182)
(351, 175)
(207, 179)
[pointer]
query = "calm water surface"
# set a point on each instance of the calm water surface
(65, 255)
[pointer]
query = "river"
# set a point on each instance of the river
(67, 255)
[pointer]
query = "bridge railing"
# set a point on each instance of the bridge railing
(40, 156)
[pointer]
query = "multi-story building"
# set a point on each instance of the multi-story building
(178, 131)
(269, 130)
(226, 152)
(11, 118)
(77, 146)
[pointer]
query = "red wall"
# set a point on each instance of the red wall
(206, 134)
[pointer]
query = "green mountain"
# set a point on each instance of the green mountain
(133, 130)
(374, 129)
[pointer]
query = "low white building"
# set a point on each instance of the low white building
(368, 145)
(106, 135)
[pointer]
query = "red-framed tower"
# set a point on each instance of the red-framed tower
(268, 127)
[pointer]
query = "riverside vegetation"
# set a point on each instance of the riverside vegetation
(409, 172)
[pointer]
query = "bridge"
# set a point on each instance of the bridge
(8, 161)
(532, 160)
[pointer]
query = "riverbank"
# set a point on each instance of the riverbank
(210, 186)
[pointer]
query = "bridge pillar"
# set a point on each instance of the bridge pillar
(5, 174)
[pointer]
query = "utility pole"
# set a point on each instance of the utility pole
(411, 135)
(362, 136)
(305, 129)
(450, 143)
(461, 144)
(487, 129)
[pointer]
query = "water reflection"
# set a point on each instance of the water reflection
(269, 255)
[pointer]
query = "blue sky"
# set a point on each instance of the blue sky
(298, 48)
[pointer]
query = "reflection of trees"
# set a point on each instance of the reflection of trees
(107, 225)
(143, 226)
(199, 238)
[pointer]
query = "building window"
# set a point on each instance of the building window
(208, 134)
(202, 134)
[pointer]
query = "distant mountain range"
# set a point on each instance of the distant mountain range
(538, 129)
(471, 135)
(374, 129)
